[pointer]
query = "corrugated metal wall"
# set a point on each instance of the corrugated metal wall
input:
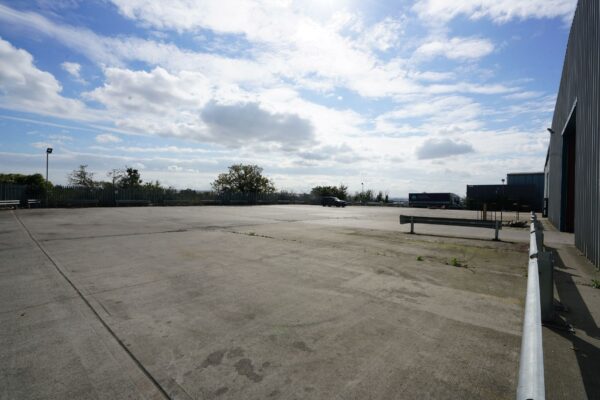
(580, 84)
(504, 197)
(536, 179)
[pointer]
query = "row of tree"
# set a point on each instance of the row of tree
(341, 192)
(240, 178)
(127, 177)
(36, 180)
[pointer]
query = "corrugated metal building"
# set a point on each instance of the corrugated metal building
(504, 197)
(573, 162)
(524, 191)
(527, 178)
(536, 179)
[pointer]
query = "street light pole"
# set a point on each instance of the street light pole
(502, 205)
(362, 192)
(48, 152)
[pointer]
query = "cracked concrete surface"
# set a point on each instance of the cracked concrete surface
(281, 302)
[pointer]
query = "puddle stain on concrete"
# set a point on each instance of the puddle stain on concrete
(214, 359)
(236, 352)
(302, 346)
(245, 368)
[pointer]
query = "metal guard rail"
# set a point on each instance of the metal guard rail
(412, 220)
(531, 365)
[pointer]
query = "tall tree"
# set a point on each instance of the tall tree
(340, 192)
(243, 179)
(364, 196)
(82, 177)
(36, 183)
(36, 180)
(131, 178)
(115, 175)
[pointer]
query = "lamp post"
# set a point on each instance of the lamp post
(502, 205)
(48, 152)
(362, 192)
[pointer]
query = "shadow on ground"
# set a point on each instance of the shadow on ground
(457, 236)
(577, 314)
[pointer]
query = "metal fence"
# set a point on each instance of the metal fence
(538, 307)
(73, 196)
(9, 191)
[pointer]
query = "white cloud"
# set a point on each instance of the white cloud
(462, 87)
(25, 87)
(237, 124)
(73, 69)
(523, 95)
(186, 104)
(499, 11)
(41, 145)
(432, 76)
(60, 138)
(441, 148)
(290, 46)
(154, 92)
(456, 48)
(449, 108)
(108, 138)
(383, 35)
(161, 149)
(270, 96)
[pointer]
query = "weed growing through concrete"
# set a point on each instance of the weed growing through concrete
(419, 258)
(455, 262)
(596, 283)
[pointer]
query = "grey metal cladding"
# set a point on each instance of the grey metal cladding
(580, 85)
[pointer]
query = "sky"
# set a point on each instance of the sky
(403, 96)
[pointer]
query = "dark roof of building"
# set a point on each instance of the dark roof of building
(525, 173)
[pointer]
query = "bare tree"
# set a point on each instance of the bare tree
(82, 177)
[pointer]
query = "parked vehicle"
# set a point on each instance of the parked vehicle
(332, 201)
(434, 200)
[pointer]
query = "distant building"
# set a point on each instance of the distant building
(527, 178)
(504, 197)
(434, 200)
(524, 191)
(530, 178)
(573, 161)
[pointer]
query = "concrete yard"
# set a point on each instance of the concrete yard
(266, 302)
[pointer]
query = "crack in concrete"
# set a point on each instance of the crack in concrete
(83, 297)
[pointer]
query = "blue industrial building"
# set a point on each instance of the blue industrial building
(524, 191)
(573, 161)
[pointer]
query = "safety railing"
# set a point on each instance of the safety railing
(538, 307)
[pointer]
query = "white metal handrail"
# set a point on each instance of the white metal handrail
(531, 365)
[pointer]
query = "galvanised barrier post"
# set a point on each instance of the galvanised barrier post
(531, 365)
(538, 307)
(546, 271)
